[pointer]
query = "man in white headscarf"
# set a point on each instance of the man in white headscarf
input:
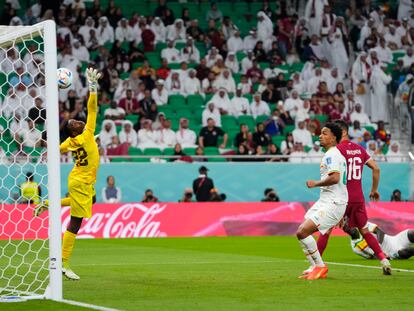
(394, 154)
(247, 62)
(313, 83)
(239, 105)
(359, 115)
(333, 79)
(408, 58)
(80, 51)
(232, 63)
(264, 26)
(107, 132)
(317, 48)
(211, 112)
(84, 30)
(184, 136)
(404, 9)
(176, 31)
(339, 47)
(190, 53)
(158, 28)
(159, 93)
(379, 98)
(225, 81)
(128, 134)
(366, 31)
(361, 78)
(124, 32)
(173, 84)
(170, 53)
(147, 137)
(293, 103)
(222, 101)
(302, 135)
(258, 107)
(235, 42)
(166, 136)
(313, 13)
(105, 32)
(212, 57)
(383, 52)
(392, 37)
(191, 83)
(250, 40)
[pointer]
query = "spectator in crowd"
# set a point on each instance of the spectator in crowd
(107, 132)
(128, 134)
(30, 191)
(214, 13)
(259, 107)
(394, 155)
(147, 74)
(222, 101)
(159, 94)
(111, 193)
(199, 155)
(178, 152)
(187, 196)
(270, 195)
(396, 196)
(147, 137)
(29, 138)
(239, 105)
(375, 151)
(209, 135)
(355, 132)
(273, 151)
(315, 155)
(260, 137)
(298, 155)
(232, 63)
(191, 83)
(38, 114)
(164, 71)
(129, 103)
(189, 52)
(381, 134)
(241, 151)
(359, 115)
(211, 112)
(170, 53)
(166, 136)
(149, 197)
(287, 145)
(114, 112)
(215, 196)
(174, 85)
(270, 95)
(225, 81)
(185, 136)
(202, 185)
(103, 158)
(146, 103)
(302, 135)
(241, 137)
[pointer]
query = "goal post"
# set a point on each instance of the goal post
(30, 248)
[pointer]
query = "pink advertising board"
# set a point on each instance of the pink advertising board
(133, 220)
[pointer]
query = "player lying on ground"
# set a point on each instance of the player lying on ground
(328, 211)
(356, 157)
(399, 246)
(81, 180)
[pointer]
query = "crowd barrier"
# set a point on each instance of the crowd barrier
(137, 220)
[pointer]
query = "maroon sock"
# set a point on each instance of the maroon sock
(322, 242)
(374, 245)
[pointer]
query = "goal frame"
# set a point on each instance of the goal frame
(8, 34)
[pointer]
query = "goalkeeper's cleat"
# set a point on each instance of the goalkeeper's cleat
(66, 271)
(386, 267)
(40, 208)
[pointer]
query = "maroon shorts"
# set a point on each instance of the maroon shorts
(357, 215)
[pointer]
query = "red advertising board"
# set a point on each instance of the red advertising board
(133, 220)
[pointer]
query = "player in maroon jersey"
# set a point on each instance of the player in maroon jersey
(356, 214)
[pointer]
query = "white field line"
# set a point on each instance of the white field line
(87, 305)
(364, 266)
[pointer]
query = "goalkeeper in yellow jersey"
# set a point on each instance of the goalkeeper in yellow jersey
(81, 180)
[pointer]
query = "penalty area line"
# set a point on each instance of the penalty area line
(87, 305)
(364, 266)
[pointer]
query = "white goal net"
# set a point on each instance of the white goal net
(29, 163)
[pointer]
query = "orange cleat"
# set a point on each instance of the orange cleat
(318, 273)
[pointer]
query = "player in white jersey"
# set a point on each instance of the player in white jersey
(328, 211)
(399, 246)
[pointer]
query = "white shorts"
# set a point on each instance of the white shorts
(394, 243)
(326, 215)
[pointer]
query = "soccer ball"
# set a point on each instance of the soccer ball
(64, 78)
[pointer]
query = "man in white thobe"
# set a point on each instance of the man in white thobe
(235, 43)
(211, 112)
(166, 136)
(259, 107)
(159, 93)
(191, 83)
(379, 98)
(184, 136)
(302, 135)
(105, 32)
(170, 53)
(239, 105)
(124, 32)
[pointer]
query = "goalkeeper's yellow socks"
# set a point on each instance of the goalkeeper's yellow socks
(67, 246)
(65, 202)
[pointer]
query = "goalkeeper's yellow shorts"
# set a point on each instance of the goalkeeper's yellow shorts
(81, 198)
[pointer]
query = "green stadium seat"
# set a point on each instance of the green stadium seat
(140, 159)
(322, 118)
(249, 97)
(261, 119)
(134, 151)
(118, 128)
(195, 101)
(152, 152)
(211, 151)
(175, 123)
(240, 55)
(315, 138)
(177, 101)
(277, 140)
(220, 159)
(208, 98)
(288, 129)
(154, 59)
(184, 113)
(248, 120)
(169, 151)
(119, 159)
(229, 123)
(167, 110)
(189, 151)
(132, 117)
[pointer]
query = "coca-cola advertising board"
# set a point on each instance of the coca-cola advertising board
(139, 220)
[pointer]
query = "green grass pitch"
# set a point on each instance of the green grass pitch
(233, 273)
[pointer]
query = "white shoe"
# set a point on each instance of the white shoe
(70, 274)
(40, 208)
(386, 267)
(309, 270)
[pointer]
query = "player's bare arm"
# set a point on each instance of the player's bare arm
(332, 179)
(374, 194)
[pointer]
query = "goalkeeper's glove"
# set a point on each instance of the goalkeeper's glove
(92, 75)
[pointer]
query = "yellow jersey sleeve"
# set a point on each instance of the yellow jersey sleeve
(92, 112)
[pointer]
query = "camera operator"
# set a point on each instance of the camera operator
(270, 195)
(187, 196)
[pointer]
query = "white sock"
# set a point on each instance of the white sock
(310, 249)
